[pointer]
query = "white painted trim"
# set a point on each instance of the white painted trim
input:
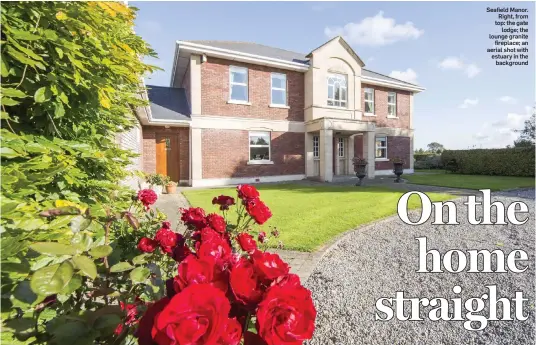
(213, 182)
(240, 56)
(402, 86)
(246, 124)
(390, 172)
(232, 101)
(259, 162)
(369, 114)
(278, 106)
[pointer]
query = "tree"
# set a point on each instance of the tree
(419, 151)
(435, 147)
(71, 75)
(526, 138)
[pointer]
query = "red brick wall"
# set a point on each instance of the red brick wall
(397, 146)
(149, 148)
(215, 92)
(380, 107)
(186, 85)
(226, 153)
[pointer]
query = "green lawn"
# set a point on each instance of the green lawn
(309, 216)
(471, 181)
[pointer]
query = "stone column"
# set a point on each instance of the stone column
(196, 156)
(350, 154)
(326, 155)
(369, 143)
(309, 158)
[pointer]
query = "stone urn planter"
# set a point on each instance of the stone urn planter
(398, 170)
(360, 169)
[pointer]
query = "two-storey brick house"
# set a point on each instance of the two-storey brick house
(242, 112)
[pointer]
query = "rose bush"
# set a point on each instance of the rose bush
(226, 291)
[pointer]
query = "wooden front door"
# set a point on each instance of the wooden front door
(167, 156)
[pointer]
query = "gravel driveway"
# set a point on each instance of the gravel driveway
(379, 260)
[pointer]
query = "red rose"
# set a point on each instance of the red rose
(258, 211)
(147, 245)
(143, 333)
(147, 197)
(269, 266)
(180, 252)
(286, 316)
(245, 283)
(196, 315)
(166, 224)
(194, 216)
(118, 329)
(168, 239)
(262, 237)
(232, 333)
(217, 249)
(198, 271)
(217, 222)
(289, 280)
(224, 201)
(246, 242)
(247, 192)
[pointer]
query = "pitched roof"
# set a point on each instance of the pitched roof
(168, 103)
(282, 54)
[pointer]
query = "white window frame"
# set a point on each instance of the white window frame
(340, 147)
(272, 88)
(238, 69)
(345, 87)
(369, 90)
(376, 148)
(260, 161)
(393, 94)
(316, 146)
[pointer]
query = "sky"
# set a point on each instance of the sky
(469, 102)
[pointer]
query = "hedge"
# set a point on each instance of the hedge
(517, 161)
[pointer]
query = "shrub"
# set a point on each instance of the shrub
(517, 161)
(429, 162)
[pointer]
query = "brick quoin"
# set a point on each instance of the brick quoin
(380, 107)
(226, 153)
(397, 146)
(149, 148)
(215, 92)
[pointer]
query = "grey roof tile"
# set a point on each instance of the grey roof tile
(282, 54)
(168, 103)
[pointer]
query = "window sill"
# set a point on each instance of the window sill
(382, 159)
(369, 114)
(259, 162)
(335, 107)
(279, 106)
(238, 102)
(392, 117)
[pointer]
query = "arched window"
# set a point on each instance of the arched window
(337, 90)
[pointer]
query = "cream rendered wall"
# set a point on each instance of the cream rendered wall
(332, 58)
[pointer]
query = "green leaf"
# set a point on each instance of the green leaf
(106, 324)
(9, 101)
(80, 223)
(100, 251)
(42, 95)
(8, 153)
(82, 242)
(139, 274)
(74, 284)
(121, 267)
(59, 110)
(24, 293)
(60, 52)
(53, 248)
(4, 66)
(140, 259)
(86, 266)
(23, 35)
(11, 92)
(51, 279)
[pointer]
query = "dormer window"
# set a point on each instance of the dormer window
(337, 90)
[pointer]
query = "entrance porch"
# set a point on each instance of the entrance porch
(330, 146)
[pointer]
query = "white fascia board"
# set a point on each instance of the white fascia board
(376, 81)
(239, 56)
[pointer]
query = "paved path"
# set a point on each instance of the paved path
(378, 260)
(170, 204)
